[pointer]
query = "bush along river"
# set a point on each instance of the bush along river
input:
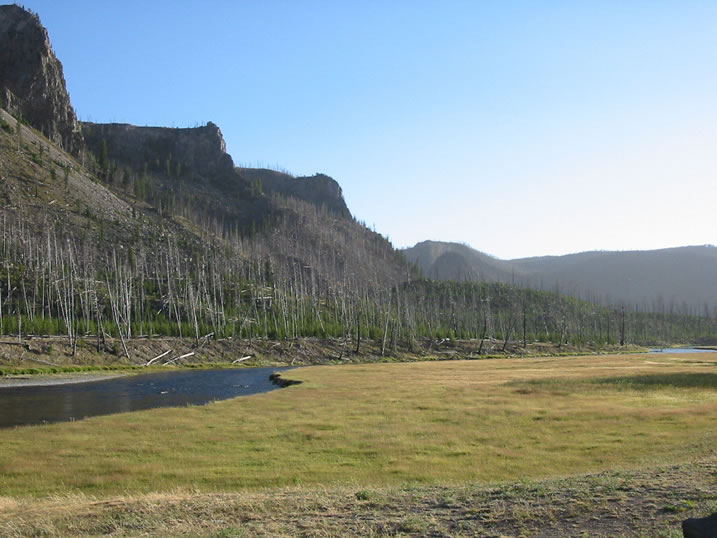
(40, 404)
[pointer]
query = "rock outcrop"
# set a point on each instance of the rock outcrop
(198, 152)
(32, 84)
(319, 189)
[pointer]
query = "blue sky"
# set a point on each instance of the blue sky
(520, 128)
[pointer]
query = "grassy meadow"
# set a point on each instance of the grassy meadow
(384, 425)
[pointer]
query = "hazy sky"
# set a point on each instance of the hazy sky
(520, 128)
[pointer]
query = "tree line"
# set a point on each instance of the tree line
(57, 284)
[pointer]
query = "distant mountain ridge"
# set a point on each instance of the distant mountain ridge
(672, 278)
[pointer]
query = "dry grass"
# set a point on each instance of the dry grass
(489, 448)
(382, 425)
(642, 503)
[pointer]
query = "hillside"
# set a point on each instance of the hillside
(677, 279)
(179, 180)
(455, 261)
(46, 190)
(151, 228)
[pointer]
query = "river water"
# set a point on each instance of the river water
(682, 350)
(56, 403)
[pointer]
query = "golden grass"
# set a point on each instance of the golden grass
(381, 425)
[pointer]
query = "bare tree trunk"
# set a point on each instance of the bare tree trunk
(385, 333)
(485, 329)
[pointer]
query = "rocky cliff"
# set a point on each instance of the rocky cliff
(198, 152)
(32, 85)
(198, 156)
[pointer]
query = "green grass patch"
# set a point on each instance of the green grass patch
(702, 380)
(48, 370)
(5, 126)
(44, 370)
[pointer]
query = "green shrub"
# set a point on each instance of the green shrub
(5, 126)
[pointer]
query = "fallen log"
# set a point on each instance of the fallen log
(158, 357)
(180, 357)
(39, 360)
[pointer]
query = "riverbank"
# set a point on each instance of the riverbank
(48, 354)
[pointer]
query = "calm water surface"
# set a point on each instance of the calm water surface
(682, 350)
(56, 403)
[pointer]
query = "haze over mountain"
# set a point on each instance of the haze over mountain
(658, 280)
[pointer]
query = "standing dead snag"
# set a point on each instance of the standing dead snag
(120, 302)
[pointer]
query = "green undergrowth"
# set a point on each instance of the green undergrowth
(46, 370)
(49, 370)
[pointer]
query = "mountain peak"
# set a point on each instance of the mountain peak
(32, 84)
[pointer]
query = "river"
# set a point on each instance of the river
(65, 402)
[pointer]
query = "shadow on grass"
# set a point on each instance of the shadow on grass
(557, 385)
(652, 381)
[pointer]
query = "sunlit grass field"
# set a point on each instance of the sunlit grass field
(373, 425)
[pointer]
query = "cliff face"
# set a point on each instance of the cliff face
(198, 155)
(198, 152)
(32, 85)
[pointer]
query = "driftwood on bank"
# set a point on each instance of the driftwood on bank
(39, 360)
(180, 357)
(204, 339)
(158, 357)
(242, 359)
